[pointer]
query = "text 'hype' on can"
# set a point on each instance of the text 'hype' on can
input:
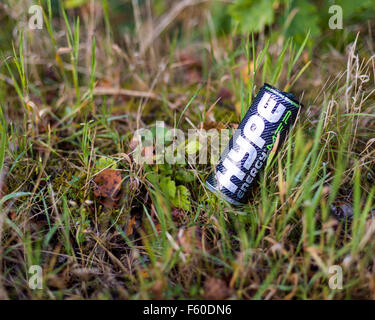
(271, 114)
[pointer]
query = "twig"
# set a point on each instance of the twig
(100, 91)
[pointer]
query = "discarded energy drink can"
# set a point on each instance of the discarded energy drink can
(270, 115)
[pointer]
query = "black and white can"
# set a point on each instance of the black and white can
(269, 116)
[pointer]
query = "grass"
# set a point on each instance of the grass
(71, 97)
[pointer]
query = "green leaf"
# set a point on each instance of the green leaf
(179, 196)
(165, 169)
(182, 199)
(193, 147)
(71, 4)
(13, 195)
(152, 176)
(252, 15)
(185, 176)
(306, 19)
(105, 163)
(168, 186)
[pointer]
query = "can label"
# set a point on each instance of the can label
(269, 116)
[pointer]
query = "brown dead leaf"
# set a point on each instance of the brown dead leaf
(12, 214)
(192, 67)
(56, 281)
(130, 227)
(193, 76)
(107, 185)
(216, 289)
(213, 125)
(189, 59)
(144, 273)
(247, 72)
(158, 289)
(224, 94)
(158, 227)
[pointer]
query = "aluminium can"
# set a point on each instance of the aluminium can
(270, 115)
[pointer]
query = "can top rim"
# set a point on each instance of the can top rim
(285, 95)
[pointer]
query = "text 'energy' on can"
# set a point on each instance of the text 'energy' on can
(270, 115)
